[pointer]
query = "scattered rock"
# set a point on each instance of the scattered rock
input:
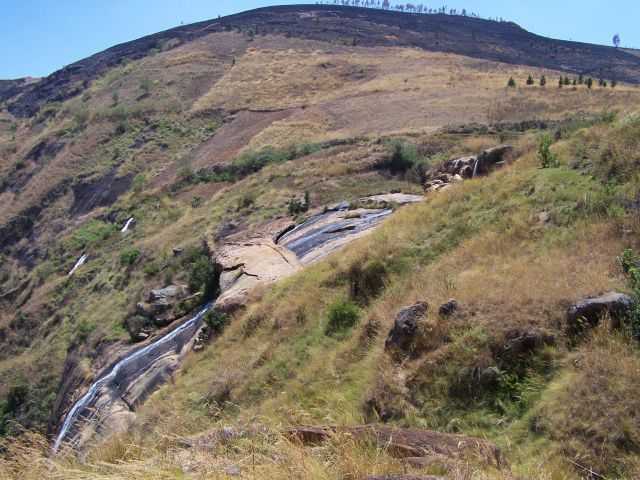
(139, 327)
(544, 217)
(588, 312)
(387, 199)
(519, 343)
(177, 251)
(165, 305)
(449, 308)
(458, 169)
(402, 336)
(167, 293)
(473, 382)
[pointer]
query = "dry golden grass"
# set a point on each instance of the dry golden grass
(592, 409)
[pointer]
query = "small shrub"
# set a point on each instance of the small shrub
(151, 269)
(129, 256)
(196, 202)
(546, 157)
(543, 81)
(246, 201)
(90, 234)
(511, 83)
(145, 85)
(138, 182)
(630, 263)
(342, 315)
(296, 206)
(530, 80)
(84, 329)
(216, 321)
(253, 322)
(202, 275)
(366, 281)
(403, 157)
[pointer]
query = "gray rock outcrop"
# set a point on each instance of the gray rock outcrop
(588, 312)
(458, 169)
(402, 337)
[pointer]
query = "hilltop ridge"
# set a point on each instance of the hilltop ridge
(470, 36)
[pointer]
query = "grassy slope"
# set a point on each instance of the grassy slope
(480, 242)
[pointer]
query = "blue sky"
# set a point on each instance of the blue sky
(38, 37)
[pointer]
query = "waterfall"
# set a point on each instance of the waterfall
(78, 264)
(85, 401)
(126, 225)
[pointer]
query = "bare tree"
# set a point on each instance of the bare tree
(616, 40)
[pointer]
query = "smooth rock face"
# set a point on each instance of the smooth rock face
(386, 199)
(326, 232)
(246, 265)
(405, 328)
(588, 312)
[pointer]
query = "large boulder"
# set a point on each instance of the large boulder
(492, 158)
(467, 167)
(168, 294)
(165, 305)
(587, 312)
(402, 338)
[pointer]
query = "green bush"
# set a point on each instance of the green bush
(216, 321)
(511, 83)
(202, 274)
(403, 156)
(342, 315)
(295, 206)
(90, 234)
(129, 256)
(630, 262)
(546, 157)
(366, 281)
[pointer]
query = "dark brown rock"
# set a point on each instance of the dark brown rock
(402, 337)
(519, 343)
(449, 308)
(588, 312)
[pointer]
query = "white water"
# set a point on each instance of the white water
(126, 225)
(88, 397)
(78, 264)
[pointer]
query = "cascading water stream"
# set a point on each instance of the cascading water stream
(127, 225)
(85, 401)
(78, 264)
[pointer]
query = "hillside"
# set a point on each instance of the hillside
(210, 236)
(474, 37)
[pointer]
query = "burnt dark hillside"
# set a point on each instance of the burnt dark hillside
(474, 37)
